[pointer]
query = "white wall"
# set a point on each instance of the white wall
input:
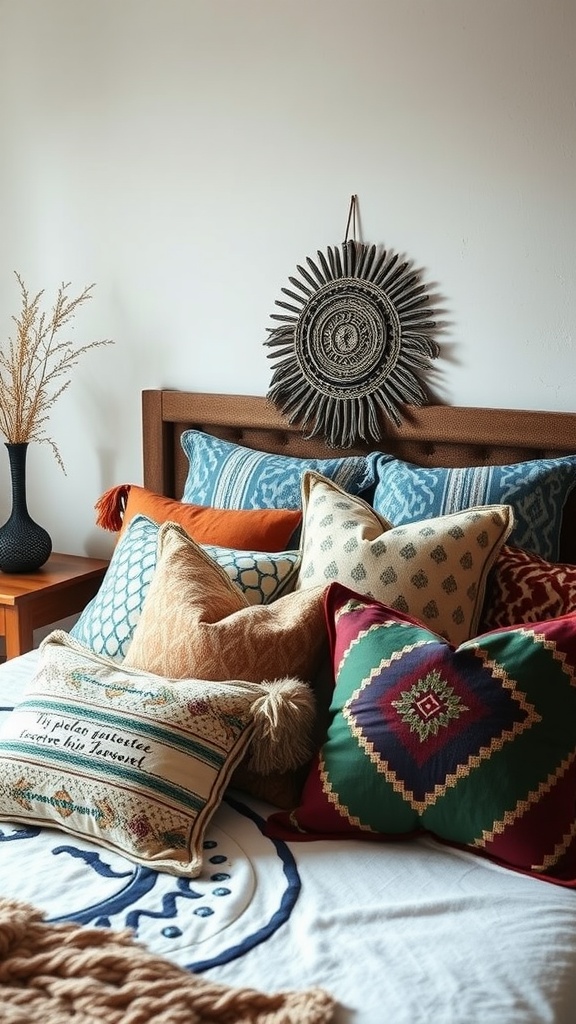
(187, 154)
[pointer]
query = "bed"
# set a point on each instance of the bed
(406, 924)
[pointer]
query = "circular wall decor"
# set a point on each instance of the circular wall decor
(355, 340)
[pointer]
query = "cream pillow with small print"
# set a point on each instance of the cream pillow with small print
(434, 570)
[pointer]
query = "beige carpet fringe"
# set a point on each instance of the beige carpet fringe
(54, 974)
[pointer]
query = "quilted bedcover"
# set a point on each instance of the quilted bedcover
(406, 932)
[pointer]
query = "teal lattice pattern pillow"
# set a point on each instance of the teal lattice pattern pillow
(537, 491)
(263, 576)
(107, 624)
(474, 744)
(227, 475)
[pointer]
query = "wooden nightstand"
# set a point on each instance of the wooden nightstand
(63, 586)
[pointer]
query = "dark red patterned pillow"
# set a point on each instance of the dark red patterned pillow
(523, 587)
(475, 745)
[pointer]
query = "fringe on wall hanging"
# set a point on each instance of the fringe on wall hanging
(353, 342)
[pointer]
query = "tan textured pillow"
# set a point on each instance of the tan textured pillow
(196, 622)
(434, 570)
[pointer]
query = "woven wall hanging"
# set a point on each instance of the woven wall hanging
(355, 340)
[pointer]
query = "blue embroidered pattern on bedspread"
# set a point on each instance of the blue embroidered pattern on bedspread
(214, 914)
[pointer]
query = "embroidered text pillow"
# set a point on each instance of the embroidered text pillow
(129, 760)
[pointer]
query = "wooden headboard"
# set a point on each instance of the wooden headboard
(435, 435)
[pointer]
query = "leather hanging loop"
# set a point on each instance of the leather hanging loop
(351, 219)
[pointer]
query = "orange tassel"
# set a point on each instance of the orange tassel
(110, 507)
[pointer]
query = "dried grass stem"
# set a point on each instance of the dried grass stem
(35, 366)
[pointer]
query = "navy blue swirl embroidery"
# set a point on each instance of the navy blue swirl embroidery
(19, 833)
(169, 904)
(94, 861)
(140, 881)
(278, 918)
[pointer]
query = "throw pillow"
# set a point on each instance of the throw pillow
(227, 475)
(250, 529)
(537, 491)
(196, 622)
(475, 745)
(434, 570)
(263, 576)
(131, 761)
(107, 623)
(523, 587)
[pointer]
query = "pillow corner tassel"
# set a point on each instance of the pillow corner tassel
(111, 506)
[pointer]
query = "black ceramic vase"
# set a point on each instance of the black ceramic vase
(24, 545)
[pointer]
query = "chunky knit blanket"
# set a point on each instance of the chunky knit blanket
(64, 972)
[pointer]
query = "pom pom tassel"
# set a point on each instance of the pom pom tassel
(110, 507)
(284, 718)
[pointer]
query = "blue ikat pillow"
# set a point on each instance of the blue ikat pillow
(227, 475)
(537, 490)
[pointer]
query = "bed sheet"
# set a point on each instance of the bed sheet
(406, 933)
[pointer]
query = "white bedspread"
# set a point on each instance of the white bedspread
(403, 933)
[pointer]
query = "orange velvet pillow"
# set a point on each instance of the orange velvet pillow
(246, 529)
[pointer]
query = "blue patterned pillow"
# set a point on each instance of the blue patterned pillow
(537, 491)
(263, 576)
(227, 475)
(108, 622)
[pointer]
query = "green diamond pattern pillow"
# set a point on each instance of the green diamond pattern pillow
(434, 570)
(108, 622)
(132, 761)
(475, 745)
